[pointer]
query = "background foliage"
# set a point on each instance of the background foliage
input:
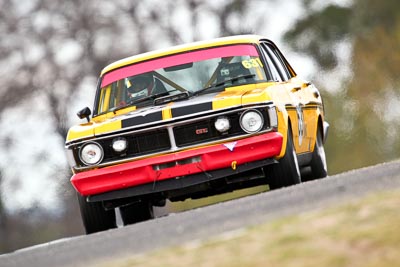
(52, 51)
(363, 108)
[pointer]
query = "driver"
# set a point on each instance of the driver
(144, 85)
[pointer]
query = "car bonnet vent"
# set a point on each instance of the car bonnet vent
(171, 98)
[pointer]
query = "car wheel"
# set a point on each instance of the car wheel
(318, 164)
(138, 212)
(95, 218)
(287, 171)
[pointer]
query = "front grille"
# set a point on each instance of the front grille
(204, 131)
(138, 144)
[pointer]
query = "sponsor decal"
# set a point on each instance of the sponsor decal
(300, 119)
(201, 131)
(230, 146)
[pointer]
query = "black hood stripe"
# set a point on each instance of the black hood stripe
(175, 112)
(134, 121)
(192, 109)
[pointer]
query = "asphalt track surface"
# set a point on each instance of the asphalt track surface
(207, 222)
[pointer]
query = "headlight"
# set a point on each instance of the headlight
(222, 124)
(119, 144)
(91, 153)
(251, 121)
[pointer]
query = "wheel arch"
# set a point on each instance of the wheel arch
(323, 126)
(284, 122)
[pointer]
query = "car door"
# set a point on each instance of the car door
(294, 88)
(311, 102)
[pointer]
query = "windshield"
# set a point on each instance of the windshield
(192, 72)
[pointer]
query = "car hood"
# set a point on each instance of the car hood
(147, 116)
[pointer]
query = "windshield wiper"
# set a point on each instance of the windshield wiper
(213, 86)
(140, 100)
(247, 76)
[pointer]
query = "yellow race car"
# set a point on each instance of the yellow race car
(193, 121)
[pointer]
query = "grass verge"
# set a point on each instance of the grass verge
(360, 233)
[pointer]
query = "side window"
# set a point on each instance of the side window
(104, 99)
(291, 73)
(278, 62)
(274, 72)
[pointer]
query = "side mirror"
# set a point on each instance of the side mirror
(84, 113)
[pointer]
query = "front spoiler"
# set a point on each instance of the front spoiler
(177, 184)
(179, 164)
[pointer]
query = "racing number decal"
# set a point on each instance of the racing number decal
(252, 63)
(300, 119)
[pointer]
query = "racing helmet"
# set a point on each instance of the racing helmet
(140, 82)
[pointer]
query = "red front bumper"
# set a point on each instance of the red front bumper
(178, 164)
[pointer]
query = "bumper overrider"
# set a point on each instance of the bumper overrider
(181, 165)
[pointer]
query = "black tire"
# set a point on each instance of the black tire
(318, 164)
(137, 212)
(287, 171)
(94, 217)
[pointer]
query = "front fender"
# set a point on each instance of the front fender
(283, 122)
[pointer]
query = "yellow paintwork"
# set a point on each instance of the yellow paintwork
(242, 95)
(166, 112)
(122, 111)
(282, 128)
(228, 98)
(285, 95)
(109, 127)
(80, 131)
(88, 130)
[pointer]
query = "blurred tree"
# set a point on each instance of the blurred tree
(319, 32)
(3, 215)
(363, 112)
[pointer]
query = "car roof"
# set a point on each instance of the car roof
(238, 39)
